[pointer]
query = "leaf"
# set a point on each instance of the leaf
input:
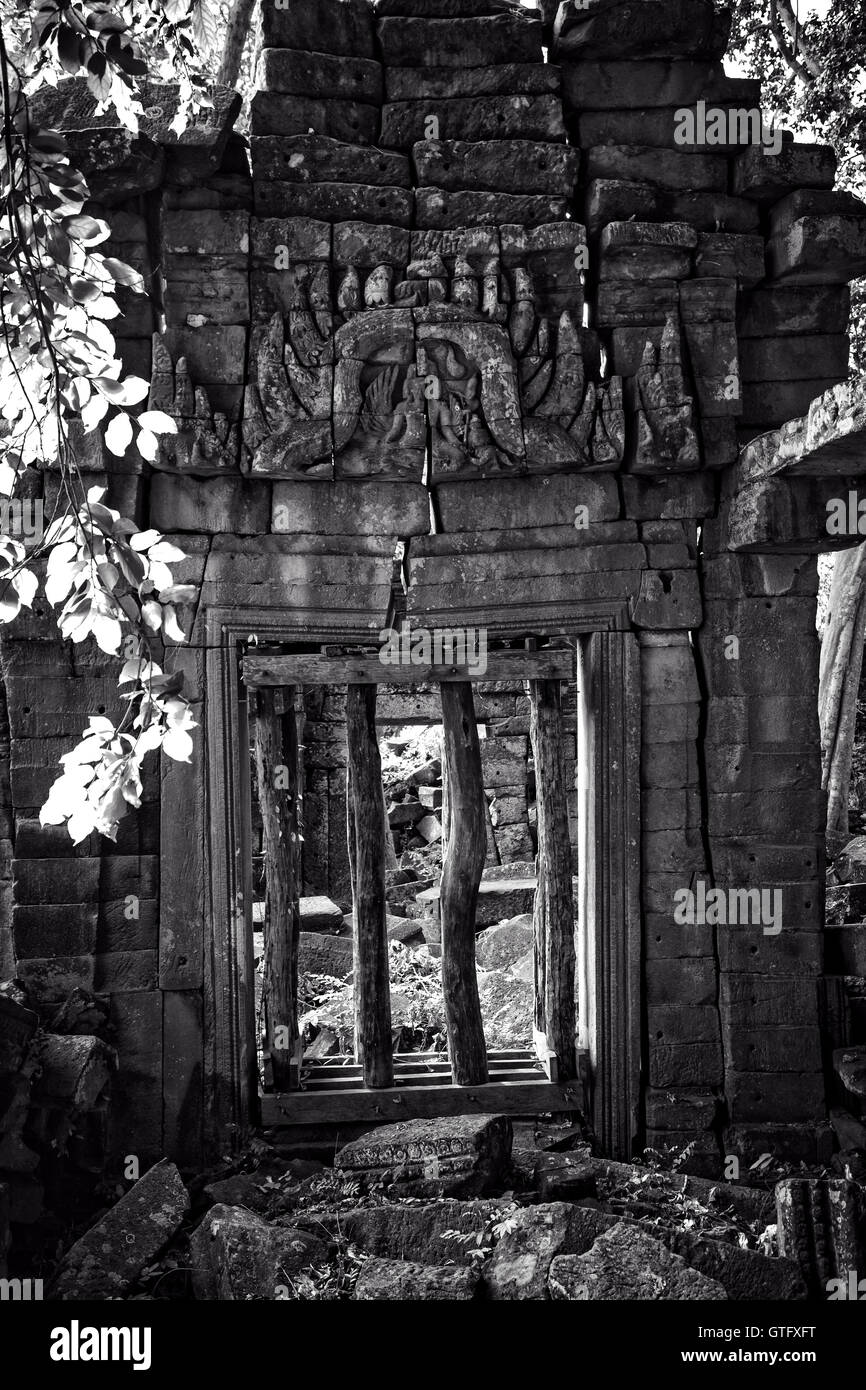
(147, 445)
(69, 49)
(166, 552)
(93, 412)
(100, 84)
(88, 230)
(178, 745)
(135, 388)
(111, 389)
(143, 540)
(170, 626)
(124, 274)
(82, 822)
(25, 584)
(108, 633)
(10, 605)
(178, 593)
(118, 436)
(151, 611)
(157, 422)
(131, 565)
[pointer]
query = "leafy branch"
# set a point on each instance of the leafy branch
(60, 376)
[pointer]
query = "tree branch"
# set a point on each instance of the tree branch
(788, 37)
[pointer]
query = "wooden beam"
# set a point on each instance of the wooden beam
(557, 663)
(420, 1103)
(367, 820)
(458, 892)
(277, 772)
(553, 914)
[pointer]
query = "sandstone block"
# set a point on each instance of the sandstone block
(321, 26)
(304, 74)
(512, 166)
(514, 117)
(460, 43)
(276, 113)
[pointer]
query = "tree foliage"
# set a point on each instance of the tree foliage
(60, 373)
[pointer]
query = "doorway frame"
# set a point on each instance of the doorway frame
(610, 1027)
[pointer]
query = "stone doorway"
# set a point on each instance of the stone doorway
(608, 957)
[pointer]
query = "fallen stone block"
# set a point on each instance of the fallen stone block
(107, 1259)
(423, 1231)
(497, 899)
(325, 955)
(320, 914)
(504, 944)
(17, 1026)
(460, 1156)
(236, 1256)
(626, 1263)
(408, 1282)
(743, 1274)
(521, 1261)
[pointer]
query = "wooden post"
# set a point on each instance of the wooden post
(553, 916)
(458, 890)
(445, 811)
(368, 827)
(277, 773)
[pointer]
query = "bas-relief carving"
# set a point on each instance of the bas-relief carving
(207, 442)
(456, 359)
(665, 412)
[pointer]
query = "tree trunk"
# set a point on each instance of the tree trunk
(276, 770)
(239, 26)
(367, 856)
(553, 915)
(841, 663)
(458, 891)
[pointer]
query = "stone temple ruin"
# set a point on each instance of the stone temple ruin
(461, 336)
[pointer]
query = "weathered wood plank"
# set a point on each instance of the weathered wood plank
(420, 1102)
(371, 977)
(261, 669)
(422, 1077)
(276, 769)
(458, 892)
(553, 914)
